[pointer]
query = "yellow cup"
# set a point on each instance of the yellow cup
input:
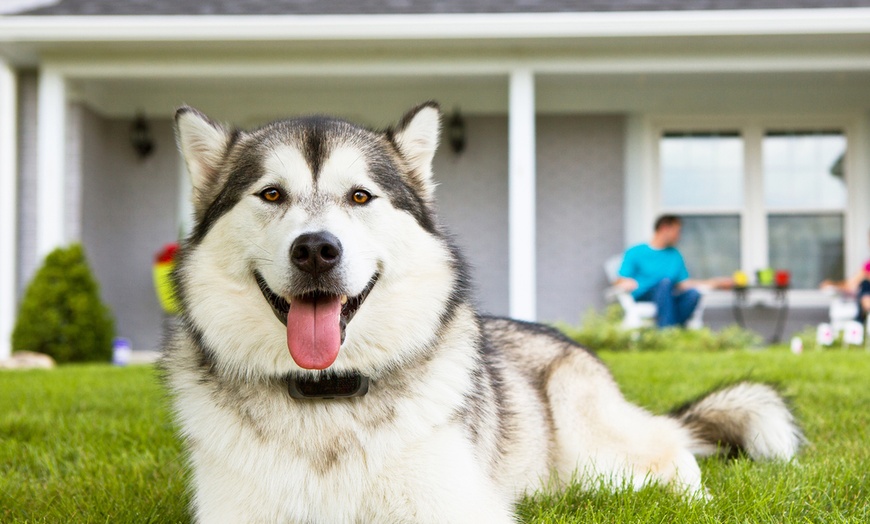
(741, 279)
(165, 289)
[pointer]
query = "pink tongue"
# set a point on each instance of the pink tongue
(314, 332)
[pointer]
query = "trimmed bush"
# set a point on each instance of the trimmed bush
(62, 314)
(602, 331)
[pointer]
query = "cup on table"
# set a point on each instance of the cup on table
(765, 277)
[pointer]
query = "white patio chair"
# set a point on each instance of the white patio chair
(842, 310)
(639, 314)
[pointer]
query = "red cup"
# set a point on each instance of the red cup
(167, 254)
(782, 278)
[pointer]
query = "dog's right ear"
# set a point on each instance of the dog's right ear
(416, 138)
(203, 145)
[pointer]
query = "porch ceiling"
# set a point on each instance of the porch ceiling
(378, 100)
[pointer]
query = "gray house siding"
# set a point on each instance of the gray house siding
(579, 210)
(473, 203)
(27, 191)
(129, 211)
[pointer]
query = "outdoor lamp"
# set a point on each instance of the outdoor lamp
(140, 137)
(456, 132)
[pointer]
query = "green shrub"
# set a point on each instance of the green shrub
(61, 313)
(602, 331)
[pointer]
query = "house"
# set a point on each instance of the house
(582, 121)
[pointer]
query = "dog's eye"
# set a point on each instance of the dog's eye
(360, 196)
(271, 194)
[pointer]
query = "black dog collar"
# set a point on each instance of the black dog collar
(328, 387)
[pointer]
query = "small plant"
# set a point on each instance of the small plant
(602, 331)
(808, 336)
(62, 314)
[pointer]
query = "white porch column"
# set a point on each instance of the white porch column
(8, 207)
(51, 159)
(521, 195)
(753, 247)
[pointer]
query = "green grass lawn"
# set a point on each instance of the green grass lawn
(95, 444)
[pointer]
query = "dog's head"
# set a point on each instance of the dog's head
(313, 235)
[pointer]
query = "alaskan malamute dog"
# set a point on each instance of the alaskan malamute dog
(329, 366)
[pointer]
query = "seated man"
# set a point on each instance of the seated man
(656, 272)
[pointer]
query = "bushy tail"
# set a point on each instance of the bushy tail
(746, 417)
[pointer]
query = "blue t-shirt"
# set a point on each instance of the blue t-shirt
(649, 266)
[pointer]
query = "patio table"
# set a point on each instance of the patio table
(777, 299)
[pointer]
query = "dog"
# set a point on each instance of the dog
(329, 365)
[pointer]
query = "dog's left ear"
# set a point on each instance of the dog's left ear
(416, 137)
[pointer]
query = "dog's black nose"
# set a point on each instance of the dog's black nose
(315, 253)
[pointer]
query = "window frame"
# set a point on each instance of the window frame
(754, 248)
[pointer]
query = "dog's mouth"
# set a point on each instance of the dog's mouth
(316, 321)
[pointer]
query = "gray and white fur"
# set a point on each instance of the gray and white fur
(316, 253)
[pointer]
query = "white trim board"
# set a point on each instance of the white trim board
(435, 26)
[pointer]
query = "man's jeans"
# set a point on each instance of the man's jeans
(863, 291)
(674, 307)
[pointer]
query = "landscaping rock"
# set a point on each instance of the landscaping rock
(27, 360)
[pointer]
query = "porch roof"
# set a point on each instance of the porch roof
(382, 7)
(649, 40)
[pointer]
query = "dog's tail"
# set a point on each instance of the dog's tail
(746, 417)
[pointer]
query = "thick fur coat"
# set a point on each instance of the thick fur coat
(317, 256)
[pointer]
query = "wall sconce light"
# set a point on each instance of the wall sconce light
(456, 132)
(140, 137)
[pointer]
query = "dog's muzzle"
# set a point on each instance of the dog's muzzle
(316, 321)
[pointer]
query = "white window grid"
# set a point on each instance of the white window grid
(753, 213)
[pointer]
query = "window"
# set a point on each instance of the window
(815, 242)
(755, 197)
(805, 199)
(702, 170)
(710, 244)
(702, 181)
